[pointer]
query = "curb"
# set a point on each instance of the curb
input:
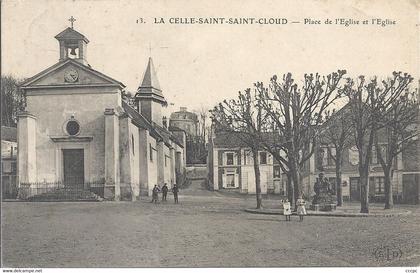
(332, 214)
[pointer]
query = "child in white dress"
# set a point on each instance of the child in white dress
(301, 211)
(286, 209)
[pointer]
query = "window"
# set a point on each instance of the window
(263, 158)
(13, 167)
(151, 152)
(276, 171)
(230, 181)
(72, 128)
(378, 183)
(229, 158)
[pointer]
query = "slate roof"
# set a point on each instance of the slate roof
(150, 87)
(234, 140)
(71, 34)
(149, 78)
(154, 129)
(9, 133)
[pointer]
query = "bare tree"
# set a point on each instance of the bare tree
(244, 118)
(337, 134)
(369, 101)
(296, 114)
(397, 118)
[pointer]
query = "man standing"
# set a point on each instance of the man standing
(155, 192)
(175, 191)
(164, 192)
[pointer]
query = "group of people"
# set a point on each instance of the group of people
(164, 190)
(301, 210)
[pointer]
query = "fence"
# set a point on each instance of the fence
(59, 189)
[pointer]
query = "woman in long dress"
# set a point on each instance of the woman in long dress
(301, 210)
(286, 209)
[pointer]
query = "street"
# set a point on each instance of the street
(207, 229)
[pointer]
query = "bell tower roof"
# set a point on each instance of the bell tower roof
(72, 44)
(149, 88)
(150, 79)
(71, 34)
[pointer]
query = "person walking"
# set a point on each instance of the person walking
(286, 209)
(155, 193)
(175, 191)
(301, 210)
(164, 192)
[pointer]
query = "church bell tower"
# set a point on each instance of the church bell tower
(72, 44)
(149, 97)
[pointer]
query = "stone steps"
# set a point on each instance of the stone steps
(66, 195)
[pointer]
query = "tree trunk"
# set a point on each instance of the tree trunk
(389, 202)
(364, 189)
(257, 179)
(295, 178)
(339, 189)
(290, 194)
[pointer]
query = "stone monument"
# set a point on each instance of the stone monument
(324, 199)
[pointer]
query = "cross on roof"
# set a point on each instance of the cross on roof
(72, 20)
(150, 48)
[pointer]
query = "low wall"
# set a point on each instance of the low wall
(197, 172)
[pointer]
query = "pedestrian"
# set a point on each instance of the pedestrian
(301, 210)
(164, 192)
(155, 193)
(175, 191)
(286, 209)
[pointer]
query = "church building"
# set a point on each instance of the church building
(79, 133)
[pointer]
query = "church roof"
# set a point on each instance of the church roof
(149, 78)
(154, 129)
(150, 87)
(45, 72)
(71, 34)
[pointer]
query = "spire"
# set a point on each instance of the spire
(150, 79)
(149, 88)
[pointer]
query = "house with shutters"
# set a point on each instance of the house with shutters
(406, 170)
(231, 167)
(79, 134)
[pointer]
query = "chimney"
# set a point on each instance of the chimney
(165, 122)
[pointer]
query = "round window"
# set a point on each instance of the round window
(72, 127)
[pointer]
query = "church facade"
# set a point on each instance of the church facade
(79, 131)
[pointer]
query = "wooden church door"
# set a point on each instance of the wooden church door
(74, 175)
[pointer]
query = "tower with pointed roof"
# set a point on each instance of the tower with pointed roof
(149, 97)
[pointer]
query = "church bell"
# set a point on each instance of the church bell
(73, 51)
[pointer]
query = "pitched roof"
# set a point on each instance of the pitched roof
(149, 78)
(61, 64)
(235, 139)
(71, 34)
(136, 117)
(9, 133)
(154, 129)
(149, 88)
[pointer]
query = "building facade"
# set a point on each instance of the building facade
(78, 131)
(231, 167)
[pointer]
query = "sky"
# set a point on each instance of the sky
(200, 65)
